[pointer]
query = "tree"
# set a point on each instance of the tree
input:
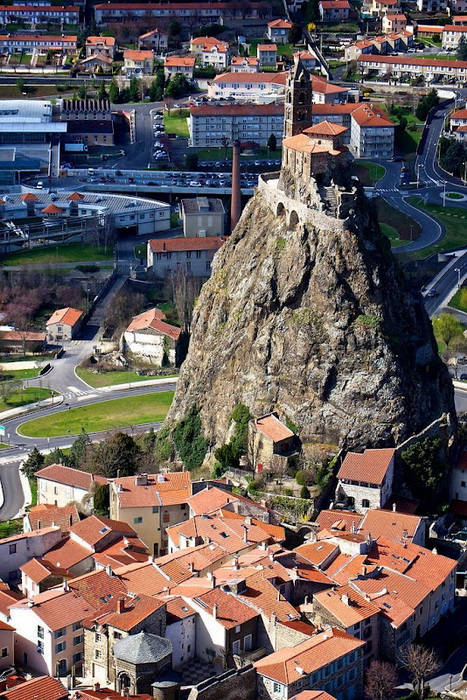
(453, 159)
(189, 439)
(304, 492)
(101, 494)
(118, 454)
(78, 450)
(446, 327)
(82, 93)
(134, 90)
(462, 49)
(114, 92)
(191, 161)
(56, 456)
(185, 289)
(177, 86)
(424, 469)
(425, 104)
(295, 33)
(174, 28)
(33, 462)
(156, 89)
(381, 679)
(225, 145)
(421, 663)
(102, 92)
(272, 142)
(402, 123)
(20, 85)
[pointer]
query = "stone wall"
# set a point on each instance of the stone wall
(237, 684)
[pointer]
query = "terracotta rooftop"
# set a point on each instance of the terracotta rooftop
(317, 552)
(390, 524)
(70, 476)
(262, 595)
(97, 40)
(99, 589)
(186, 61)
(95, 528)
(29, 197)
(76, 196)
(326, 128)
(66, 554)
(285, 666)
(52, 209)
(212, 498)
(342, 520)
(156, 30)
(41, 688)
(280, 24)
(304, 144)
(409, 61)
(8, 598)
(227, 78)
(371, 466)
(144, 578)
(108, 694)
(153, 319)
(178, 609)
(370, 115)
(456, 28)
(171, 245)
(266, 47)
(335, 4)
(46, 515)
(138, 55)
(37, 570)
(230, 611)
(313, 695)
(273, 428)
(126, 550)
(58, 608)
(241, 60)
(67, 316)
(321, 85)
(206, 43)
(459, 114)
(346, 605)
(159, 489)
(127, 612)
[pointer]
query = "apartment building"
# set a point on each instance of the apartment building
(331, 661)
(29, 43)
(252, 86)
(150, 503)
(166, 255)
(429, 68)
(333, 11)
(40, 14)
(267, 55)
(452, 34)
(211, 124)
(189, 14)
(371, 136)
(365, 480)
(179, 65)
(60, 485)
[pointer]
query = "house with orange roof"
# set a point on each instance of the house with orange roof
(150, 337)
(244, 64)
(257, 87)
(38, 575)
(267, 54)
(365, 480)
(58, 485)
(151, 503)
(394, 22)
(155, 39)
(324, 92)
(100, 45)
(269, 439)
(47, 515)
(64, 324)
(379, 8)
(41, 688)
(126, 615)
(194, 254)
(278, 30)
(16, 550)
(179, 65)
(331, 660)
(334, 11)
(308, 59)
(211, 51)
(138, 62)
(213, 498)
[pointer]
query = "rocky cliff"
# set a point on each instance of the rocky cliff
(317, 323)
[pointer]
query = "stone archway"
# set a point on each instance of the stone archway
(280, 211)
(124, 681)
(293, 219)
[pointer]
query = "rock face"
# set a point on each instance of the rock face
(315, 322)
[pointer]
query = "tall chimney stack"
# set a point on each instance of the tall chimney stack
(236, 204)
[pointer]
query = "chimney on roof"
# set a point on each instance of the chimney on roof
(345, 599)
(248, 520)
(235, 562)
(108, 570)
(264, 545)
(214, 611)
(434, 550)
(97, 686)
(212, 578)
(245, 533)
(278, 595)
(30, 603)
(66, 587)
(120, 605)
(141, 480)
(393, 507)
(363, 570)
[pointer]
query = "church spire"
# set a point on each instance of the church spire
(298, 99)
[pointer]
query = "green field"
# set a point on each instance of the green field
(8, 374)
(406, 228)
(453, 218)
(392, 234)
(176, 122)
(106, 415)
(110, 378)
(282, 49)
(459, 300)
(374, 171)
(63, 253)
(23, 397)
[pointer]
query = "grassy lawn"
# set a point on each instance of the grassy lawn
(459, 300)
(453, 218)
(98, 379)
(444, 56)
(406, 142)
(454, 195)
(107, 415)
(406, 229)
(176, 122)
(374, 171)
(140, 250)
(7, 374)
(68, 252)
(25, 396)
(392, 234)
(10, 527)
(282, 49)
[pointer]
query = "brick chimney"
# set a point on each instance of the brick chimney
(236, 203)
(120, 605)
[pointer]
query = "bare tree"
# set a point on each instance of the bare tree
(421, 663)
(185, 289)
(381, 679)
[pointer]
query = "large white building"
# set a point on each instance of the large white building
(429, 68)
(210, 124)
(452, 34)
(365, 480)
(371, 133)
(258, 87)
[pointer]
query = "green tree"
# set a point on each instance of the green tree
(82, 93)
(425, 104)
(304, 492)
(174, 28)
(177, 86)
(118, 454)
(462, 49)
(163, 448)
(424, 469)
(156, 89)
(295, 33)
(272, 142)
(446, 327)
(101, 494)
(228, 455)
(134, 90)
(78, 450)
(56, 456)
(453, 159)
(20, 84)
(33, 462)
(114, 92)
(102, 92)
(189, 439)
(402, 123)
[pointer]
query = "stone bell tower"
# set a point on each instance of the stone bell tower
(298, 100)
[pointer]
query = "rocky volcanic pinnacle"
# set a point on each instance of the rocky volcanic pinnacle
(319, 325)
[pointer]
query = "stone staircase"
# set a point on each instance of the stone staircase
(329, 199)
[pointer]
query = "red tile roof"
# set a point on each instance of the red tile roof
(341, 520)
(161, 489)
(372, 465)
(37, 570)
(241, 60)
(95, 528)
(67, 316)
(52, 209)
(96, 40)
(126, 550)
(262, 595)
(58, 608)
(7, 598)
(325, 109)
(317, 552)
(178, 609)
(127, 612)
(66, 554)
(29, 197)
(46, 515)
(70, 477)
(153, 319)
(346, 605)
(170, 245)
(266, 47)
(276, 78)
(135, 55)
(212, 498)
(393, 525)
(41, 688)
(335, 4)
(143, 578)
(313, 695)
(326, 128)
(108, 694)
(273, 428)
(370, 115)
(230, 611)
(408, 61)
(460, 114)
(285, 665)
(179, 61)
(321, 85)
(280, 24)
(455, 28)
